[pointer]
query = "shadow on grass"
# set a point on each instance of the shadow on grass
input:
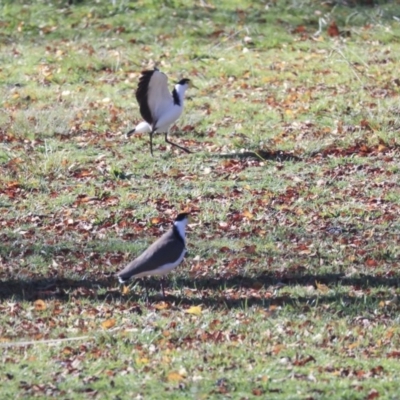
(236, 292)
(262, 155)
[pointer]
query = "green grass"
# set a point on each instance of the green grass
(290, 288)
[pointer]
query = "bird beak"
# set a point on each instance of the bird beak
(193, 85)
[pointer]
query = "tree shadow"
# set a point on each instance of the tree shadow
(261, 155)
(237, 292)
(362, 281)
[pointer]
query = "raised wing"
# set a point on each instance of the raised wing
(158, 99)
(142, 94)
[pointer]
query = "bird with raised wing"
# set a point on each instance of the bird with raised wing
(162, 256)
(158, 106)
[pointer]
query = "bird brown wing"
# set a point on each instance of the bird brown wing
(153, 96)
(141, 96)
(166, 250)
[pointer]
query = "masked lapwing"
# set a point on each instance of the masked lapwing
(162, 256)
(158, 106)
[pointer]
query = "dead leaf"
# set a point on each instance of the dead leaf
(321, 287)
(300, 29)
(161, 306)
(195, 310)
(174, 377)
(257, 392)
(365, 125)
(142, 361)
(247, 214)
(371, 263)
(372, 394)
(393, 354)
(303, 361)
(353, 345)
(40, 305)
(250, 249)
(67, 351)
(125, 290)
(109, 323)
(333, 30)
(381, 148)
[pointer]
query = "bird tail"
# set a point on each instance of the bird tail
(143, 127)
(130, 133)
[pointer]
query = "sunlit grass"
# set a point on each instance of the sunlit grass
(294, 241)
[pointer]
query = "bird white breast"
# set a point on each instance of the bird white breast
(164, 269)
(168, 118)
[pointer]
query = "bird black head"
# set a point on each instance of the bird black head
(184, 81)
(181, 216)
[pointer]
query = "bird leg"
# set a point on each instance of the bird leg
(174, 144)
(145, 288)
(151, 142)
(162, 287)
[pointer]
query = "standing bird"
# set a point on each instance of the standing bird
(158, 107)
(162, 256)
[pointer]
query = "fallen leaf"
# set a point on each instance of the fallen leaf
(247, 214)
(300, 29)
(389, 334)
(333, 30)
(321, 287)
(353, 345)
(257, 392)
(142, 361)
(40, 305)
(161, 306)
(125, 290)
(303, 361)
(195, 310)
(371, 263)
(393, 354)
(174, 377)
(372, 394)
(251, 249)
(109, 323)
(67, 351)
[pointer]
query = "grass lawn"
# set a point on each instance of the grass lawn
(290, 289)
